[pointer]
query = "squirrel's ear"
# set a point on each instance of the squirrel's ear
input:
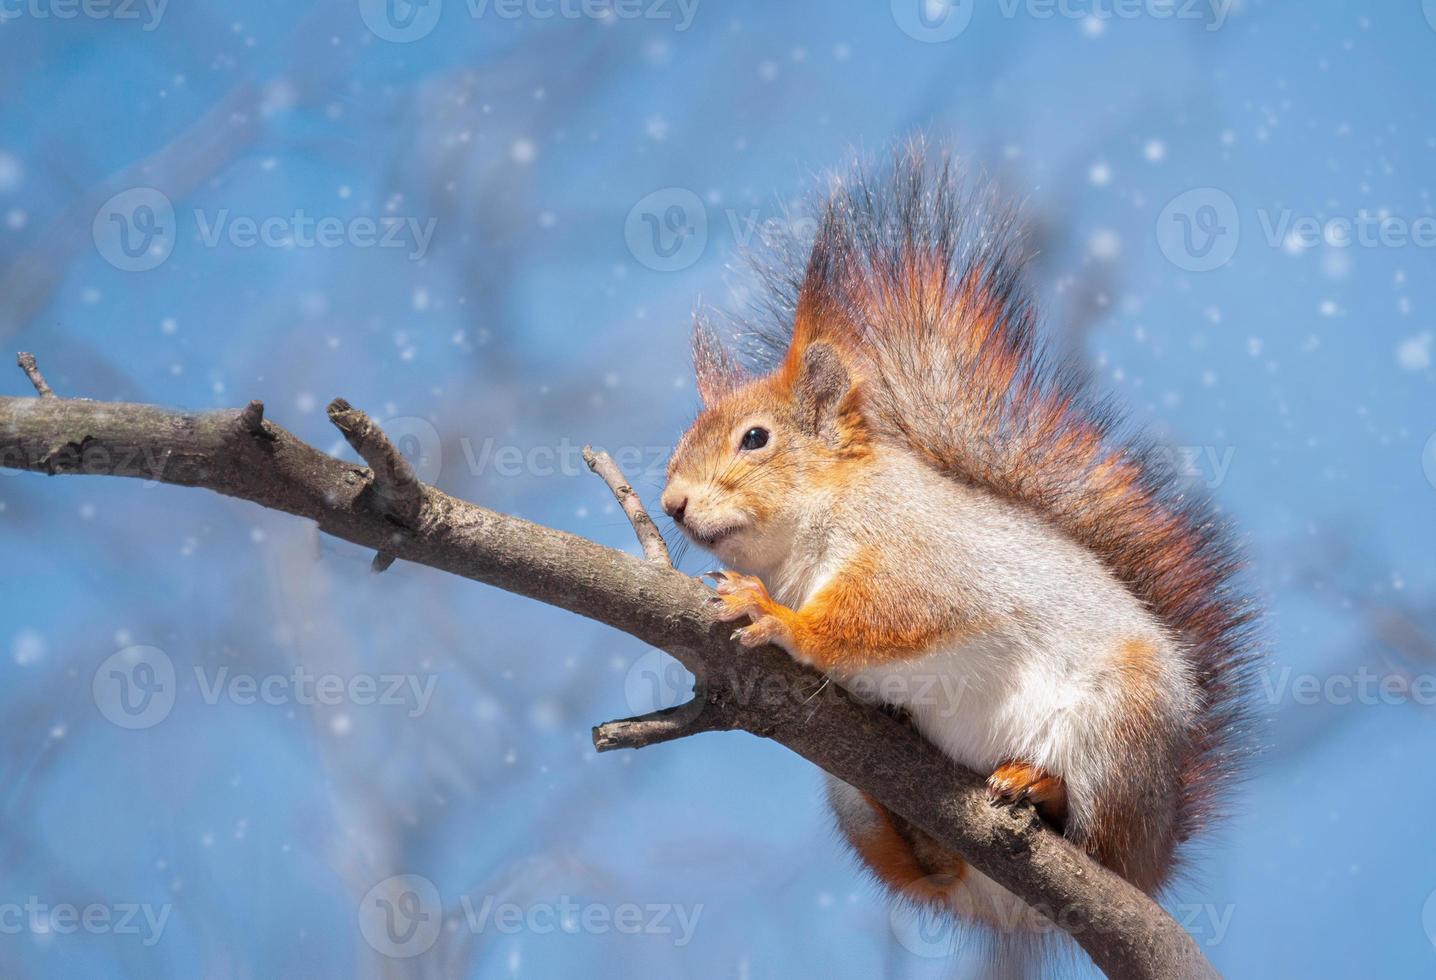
(821, 384)
(717, 372)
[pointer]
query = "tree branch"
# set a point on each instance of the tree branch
(32, 371)
(648, 535)
(762, 691)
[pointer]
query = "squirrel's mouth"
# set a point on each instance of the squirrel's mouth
(711, 539)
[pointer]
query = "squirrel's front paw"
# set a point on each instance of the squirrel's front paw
(746, 595)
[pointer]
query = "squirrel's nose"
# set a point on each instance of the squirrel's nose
(676, 510)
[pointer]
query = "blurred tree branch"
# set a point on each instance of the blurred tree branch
(240, 454)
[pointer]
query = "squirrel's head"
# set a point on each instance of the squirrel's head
(764, 454)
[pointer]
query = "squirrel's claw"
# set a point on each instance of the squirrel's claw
(767, 629)
(746, 597)
(1019, 782)
(742, 595)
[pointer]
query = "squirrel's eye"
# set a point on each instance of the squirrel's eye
(754, 438)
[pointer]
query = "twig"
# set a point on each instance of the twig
(399, 494)
(648, 534)
(665, 725)
(251, 418)
(32, 371)
(763, 691)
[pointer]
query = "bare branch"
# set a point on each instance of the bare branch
(32, 371)
(251, 418)
(648, 534)
(664, 725)
(762, 691)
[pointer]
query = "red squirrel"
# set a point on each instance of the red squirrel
(904, 488)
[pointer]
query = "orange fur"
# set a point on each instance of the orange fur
(1014, 782)
(851, 622)
(894, 859)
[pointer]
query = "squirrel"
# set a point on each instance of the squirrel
(905, 489)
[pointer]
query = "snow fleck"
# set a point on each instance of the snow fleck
(10, 172)
(523, 151)
(27, 647)
(1155, 151)
(1414, 353)
(1105, 244)
(1100, 175)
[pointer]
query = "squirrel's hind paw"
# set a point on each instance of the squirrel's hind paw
(1016, 782)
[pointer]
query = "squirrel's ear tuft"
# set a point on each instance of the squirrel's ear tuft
(717, 372)
(821, 384)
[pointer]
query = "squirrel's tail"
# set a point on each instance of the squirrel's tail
(948, 907)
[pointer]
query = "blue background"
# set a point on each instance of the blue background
(543, 315)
